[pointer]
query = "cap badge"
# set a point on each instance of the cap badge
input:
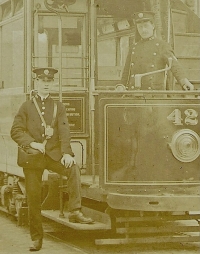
(46, 72)
(140, 15)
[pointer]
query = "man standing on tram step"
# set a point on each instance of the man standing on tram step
(150, 54)
(28, 131)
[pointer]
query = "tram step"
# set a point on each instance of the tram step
(54, 215)
(138, 240)
(154, 228)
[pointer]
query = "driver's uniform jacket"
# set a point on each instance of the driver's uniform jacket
(28, 127)
(147, 56)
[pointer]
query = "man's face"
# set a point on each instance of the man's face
(145, 29)
(44, 86)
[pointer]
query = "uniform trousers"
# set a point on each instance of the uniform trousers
(33, 180)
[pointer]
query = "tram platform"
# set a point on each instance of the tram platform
(16, 240)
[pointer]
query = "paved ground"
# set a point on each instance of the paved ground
(16, 240)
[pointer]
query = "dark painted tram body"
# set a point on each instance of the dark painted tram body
(138, 150)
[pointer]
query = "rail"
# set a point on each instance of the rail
(138, 77)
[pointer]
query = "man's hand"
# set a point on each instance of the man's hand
(67, 160)
(187, 85)
(38, 146)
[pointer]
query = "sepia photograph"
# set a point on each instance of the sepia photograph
(100, 126)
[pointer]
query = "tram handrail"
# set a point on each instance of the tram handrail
(138, 92)
(138, 77)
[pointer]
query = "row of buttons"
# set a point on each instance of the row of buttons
(133, 52)
(132, 87)
(43, 108)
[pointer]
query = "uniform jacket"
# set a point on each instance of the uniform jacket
(146, 56)
(28, 127)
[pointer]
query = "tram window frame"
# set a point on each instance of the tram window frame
(12, 54)
(116, 35)
(80, 46)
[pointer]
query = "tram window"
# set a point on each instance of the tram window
(46, 48)
(6, 10)
(12, 54)
(18, 6)
(113, 38)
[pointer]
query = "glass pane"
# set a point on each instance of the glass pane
(12, 54)
(73, 52)
(113, 39)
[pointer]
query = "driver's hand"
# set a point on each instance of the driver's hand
(67, 160)
(38, 146)
(187, 85)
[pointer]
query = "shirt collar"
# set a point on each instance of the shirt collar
(42, 97)
(148, 39)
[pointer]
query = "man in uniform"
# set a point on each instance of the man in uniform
(28, 130)
(150, 54)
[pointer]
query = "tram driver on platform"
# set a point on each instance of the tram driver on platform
(147, 54)
(150, 54)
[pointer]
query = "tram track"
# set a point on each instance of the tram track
(84, 241)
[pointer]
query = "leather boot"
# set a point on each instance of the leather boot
(36, 245)
(78, 217)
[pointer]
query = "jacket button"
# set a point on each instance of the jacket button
(42, 135)
(132, 64)
(149, 88)
(43, 107)
(154, 54)
(152, 65)
(42, 113)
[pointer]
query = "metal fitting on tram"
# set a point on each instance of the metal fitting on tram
(185, 145)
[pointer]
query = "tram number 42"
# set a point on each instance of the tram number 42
(190, 117)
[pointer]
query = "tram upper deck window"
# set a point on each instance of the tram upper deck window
(47, 50)
(113, 39)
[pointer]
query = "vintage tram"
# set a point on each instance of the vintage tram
(138, 150)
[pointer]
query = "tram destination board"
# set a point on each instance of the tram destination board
(75, 109)
(76, 112)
